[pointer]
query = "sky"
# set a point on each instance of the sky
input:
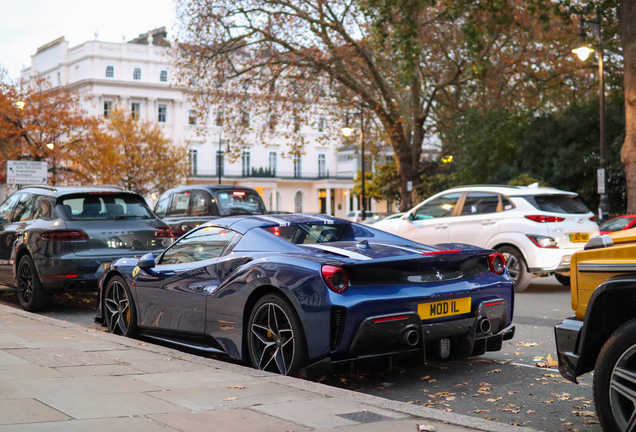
(26, 25)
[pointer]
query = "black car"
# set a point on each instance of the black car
(187, 207)
(62, 238)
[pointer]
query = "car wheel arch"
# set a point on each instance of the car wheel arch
(254, 296)
(599, 325)
(512, 245)
(21, 252)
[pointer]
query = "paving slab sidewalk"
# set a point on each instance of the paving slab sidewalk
(58, 376)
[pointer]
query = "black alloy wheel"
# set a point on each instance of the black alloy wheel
(275, 341)
(119, 308)
(615, 380)
(516, 266)
(32, 296)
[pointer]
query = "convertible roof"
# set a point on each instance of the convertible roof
(242, 224)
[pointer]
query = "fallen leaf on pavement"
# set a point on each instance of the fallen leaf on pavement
(426, 377)
(229, 399)
(530, 412)
(494, 371)
(583, 413)
(493, 399)
(237, 387)
(426, 428)
(527, 344)
(480, 411)
(588, 421)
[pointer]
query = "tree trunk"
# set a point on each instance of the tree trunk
(627, 25)
(408, 170)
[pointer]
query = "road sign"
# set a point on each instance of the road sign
(26, 172)
(600, 177)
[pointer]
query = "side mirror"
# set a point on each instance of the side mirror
(411, 216)
(146, 262)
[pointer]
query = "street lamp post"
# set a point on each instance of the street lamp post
(583, 52)
(346, 131)
(218, 156)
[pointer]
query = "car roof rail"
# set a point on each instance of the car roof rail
(51, 188)
(486, 185)
(113, 186)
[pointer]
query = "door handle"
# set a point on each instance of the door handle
(441, 227)
(488, 222)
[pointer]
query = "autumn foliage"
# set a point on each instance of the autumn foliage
(39, 122)
(134, 154)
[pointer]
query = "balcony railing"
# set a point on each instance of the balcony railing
(268, 173)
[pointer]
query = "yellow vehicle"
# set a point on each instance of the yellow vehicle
(602, 334)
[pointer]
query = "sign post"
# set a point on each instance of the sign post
(26, 173)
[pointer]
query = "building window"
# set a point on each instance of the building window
(274, 206)
(220, 162)
(389, 158)
(322, 165)
(163, 76)
(162, 113)
(272, 122)
(220, 117)
(297, 166)
(298, 202)
(192, 117)
(135, 109)
(345, 158)
(110, 72)
(108, 107)
(192, 159)
(136, 73)
(321, 124)
(245, 119)
(245, 163)
(272, 163)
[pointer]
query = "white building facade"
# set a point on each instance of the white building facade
(137, 75)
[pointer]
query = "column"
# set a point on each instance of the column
(347, 204)
(328, 199)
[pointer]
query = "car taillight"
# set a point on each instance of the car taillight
(541, 218)
(593, 218)
(336, 278)
(64, 235)
(163, 232)
(543, 241)
(497, 263)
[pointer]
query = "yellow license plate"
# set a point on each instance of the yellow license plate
(579, 238)
(444, 308)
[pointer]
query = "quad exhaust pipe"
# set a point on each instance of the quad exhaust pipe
(411, 337)
(484, 325)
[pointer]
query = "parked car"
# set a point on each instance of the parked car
(618, 224)
(537, 229)
(356, 216)
(286, 292)
(601, 336)
(57, 238)
(187, 207)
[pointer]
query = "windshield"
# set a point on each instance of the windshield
(310, 234)
(98, 206)
(559, 203)
(239, 203)
(616, 224)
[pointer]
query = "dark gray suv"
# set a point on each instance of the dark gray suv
(61, 238)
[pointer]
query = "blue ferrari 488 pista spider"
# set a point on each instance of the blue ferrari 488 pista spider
(288, 292)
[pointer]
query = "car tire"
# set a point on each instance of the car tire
(614, 389)
(32, 296)
(273, 326)
(563, 280)
(516, 267)
(120, 315)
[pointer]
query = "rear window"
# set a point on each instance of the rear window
(310, 234)
(104, 207)
(561, 203)
(239, 203)
(616, 224)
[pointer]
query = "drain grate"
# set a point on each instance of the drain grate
(365, 417)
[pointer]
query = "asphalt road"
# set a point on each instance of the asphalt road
(506, 386)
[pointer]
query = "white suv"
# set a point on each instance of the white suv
(537, 229)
